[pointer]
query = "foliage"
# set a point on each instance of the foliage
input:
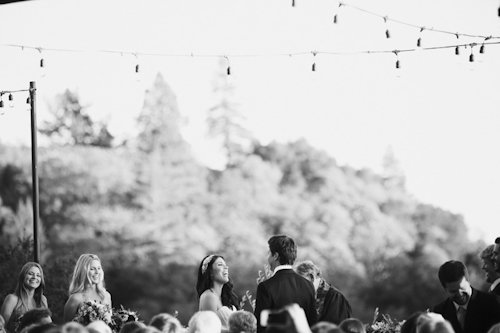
(385, 325)
(152, 212)
(72, 125)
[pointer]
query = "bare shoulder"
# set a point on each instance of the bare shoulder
(208, 301)
(107, 298)
(76, 298)
(10, 301)
(208, 295)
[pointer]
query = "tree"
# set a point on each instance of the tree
(73, 126)
(171, 184)
(224, 120)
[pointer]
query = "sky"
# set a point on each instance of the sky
(439, 112)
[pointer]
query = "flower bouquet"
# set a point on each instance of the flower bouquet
(122, 316)
(91, 310)
(386, 325)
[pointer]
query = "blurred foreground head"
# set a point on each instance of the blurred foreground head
(326, 327)
(166, 323)
(242, 321)
(99, 326)
(204, 322)
(352, 325)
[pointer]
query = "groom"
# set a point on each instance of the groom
(285, 286)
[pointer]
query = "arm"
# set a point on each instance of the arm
(208, 302)
(263, 301)
(8, 307)
(71, 307)
(107, 299)
(45, 304)
(336, 308)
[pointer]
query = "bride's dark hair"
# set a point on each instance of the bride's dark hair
(205, 281)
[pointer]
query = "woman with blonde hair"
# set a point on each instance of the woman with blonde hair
(87, 284)
(28, 295)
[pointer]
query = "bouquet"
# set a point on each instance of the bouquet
(386, 325)
(90, 311)
(121, 316)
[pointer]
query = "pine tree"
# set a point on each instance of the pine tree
(224, 120)
(71, 125)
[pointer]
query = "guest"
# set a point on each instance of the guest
(434, 324)
(27, 295)
(495, 328)
(147, 329)
(215, 289)
(492, 276)
(204, 322)
(131, 327)
(42, 328)
(35, 317)
(467, 309)
(352, 325)
(2, 325)
(331, 304)
(285, 286)
(242, 322)
(73, 327)
(326, 327)
(410, 324)
(496, 254)
(99, 326)
(87, 283)
(166, 323)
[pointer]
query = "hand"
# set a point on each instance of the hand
(299, 318)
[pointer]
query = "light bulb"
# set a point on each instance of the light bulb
(28, 104)
(11, 101)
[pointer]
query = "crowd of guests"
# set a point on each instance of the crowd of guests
(295, 298)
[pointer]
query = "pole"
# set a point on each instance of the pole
(34, 163)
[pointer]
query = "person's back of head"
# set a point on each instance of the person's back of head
(131, 327)
(495, 328)
(42, 328)
(204, 322)
(99, 326)
(285, 247)
(436, 326)
(410, 324)
(147, 329)
(34, 316)
(242, 321)
(73, 327)
(326, 327)
(352, 325)
(166, 323)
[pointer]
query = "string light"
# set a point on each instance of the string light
(387, 33)
(293, 3)
(335, 17)
(471, 57)
(457, 49)
(11, 101)
(2, 109)
(419, 40)
(28, 104)
(398, 65)
(314, 62)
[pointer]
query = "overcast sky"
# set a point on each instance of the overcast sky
(439, 112)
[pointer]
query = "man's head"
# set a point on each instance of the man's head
(282, 251)
(486, 256)
(454, 278)
(496, 254)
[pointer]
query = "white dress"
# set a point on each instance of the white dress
(223, 313)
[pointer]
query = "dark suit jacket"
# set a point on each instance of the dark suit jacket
(496, 291)
(284, 288)
(483, 311)
(336, 307)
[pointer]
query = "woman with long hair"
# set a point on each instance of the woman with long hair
(87, 284)
(215, 289)
(28, 295)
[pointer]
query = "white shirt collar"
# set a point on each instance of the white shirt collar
(280, 267)
(494, 284)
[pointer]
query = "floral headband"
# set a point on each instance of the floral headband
(204, 266)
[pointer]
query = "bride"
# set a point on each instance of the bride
(87, 284)
(215, 289)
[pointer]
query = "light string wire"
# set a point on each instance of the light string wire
(386, 18)
(486, 41)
